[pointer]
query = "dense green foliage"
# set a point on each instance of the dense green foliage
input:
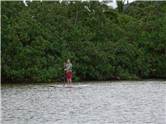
(102, 43)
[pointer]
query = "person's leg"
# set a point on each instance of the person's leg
(71, 76)
(68, 82)
(65, 79)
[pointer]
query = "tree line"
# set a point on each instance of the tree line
(102, 43)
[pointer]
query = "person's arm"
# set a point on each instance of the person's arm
(71, 67)
(67, 67)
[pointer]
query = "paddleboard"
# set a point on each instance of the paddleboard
(69, 86)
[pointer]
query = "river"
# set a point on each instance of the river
(114, 102)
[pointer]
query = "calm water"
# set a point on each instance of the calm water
(134, 102)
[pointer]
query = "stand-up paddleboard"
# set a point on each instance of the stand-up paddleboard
(69, 86)
(75, 86)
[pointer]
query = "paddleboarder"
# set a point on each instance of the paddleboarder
(68, 71)
(64, 73)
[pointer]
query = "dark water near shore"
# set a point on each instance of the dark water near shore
(123, 102)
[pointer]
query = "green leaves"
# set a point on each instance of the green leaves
(102, 43)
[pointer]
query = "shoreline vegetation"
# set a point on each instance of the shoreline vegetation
(127, 43)
(87, 81)
(81, 82)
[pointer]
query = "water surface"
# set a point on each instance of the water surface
(124, 102)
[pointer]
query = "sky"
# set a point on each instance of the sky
(111, 3)
(114, 5)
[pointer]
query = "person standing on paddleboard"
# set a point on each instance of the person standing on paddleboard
(68, 71)
(64, 73)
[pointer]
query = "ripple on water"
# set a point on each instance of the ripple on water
(137, 102)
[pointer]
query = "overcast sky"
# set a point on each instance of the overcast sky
(114, 5)
(111, 3)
